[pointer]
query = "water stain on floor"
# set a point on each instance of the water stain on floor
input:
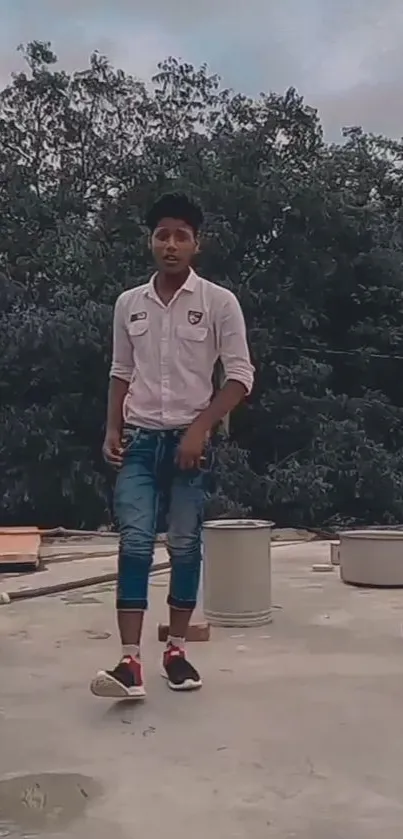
(36, 804)
(76, 598)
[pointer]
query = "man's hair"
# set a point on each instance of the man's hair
(175, 205)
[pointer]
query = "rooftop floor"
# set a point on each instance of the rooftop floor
(297, 732)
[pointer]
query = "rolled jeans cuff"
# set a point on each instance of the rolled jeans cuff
(123, 605)
(184, 605)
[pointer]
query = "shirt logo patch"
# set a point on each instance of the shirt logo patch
(194, 317)
(138, 316)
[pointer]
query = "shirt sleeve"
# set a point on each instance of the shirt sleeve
(122, 353)
(233, 345)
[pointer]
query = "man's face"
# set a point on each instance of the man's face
(173, 245)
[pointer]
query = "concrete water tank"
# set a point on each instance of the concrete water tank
(372, 557)
(237, 572)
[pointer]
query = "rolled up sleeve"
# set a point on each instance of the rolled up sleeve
(122, 353)
(233, 344)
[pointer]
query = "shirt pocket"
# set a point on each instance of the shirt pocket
(138, 334)
(193, 347)
(137, 328)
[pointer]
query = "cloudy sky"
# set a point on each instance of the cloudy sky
(345, 56)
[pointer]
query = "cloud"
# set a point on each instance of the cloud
(78, 30)
(344, 56)
(375, 107)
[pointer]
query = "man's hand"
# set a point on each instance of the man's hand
(112, 449)
(190, 452)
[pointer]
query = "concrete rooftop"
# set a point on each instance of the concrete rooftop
(297, 732)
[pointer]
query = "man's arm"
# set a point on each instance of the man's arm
(116, 396)
(121, 368)
(235, 359)
(239, 373)
(120, 376)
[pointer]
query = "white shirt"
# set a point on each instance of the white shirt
(167, 353)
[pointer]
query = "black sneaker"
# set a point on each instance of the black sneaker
(178, 671)
(124, 682)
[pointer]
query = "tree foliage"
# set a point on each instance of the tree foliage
(307, 234)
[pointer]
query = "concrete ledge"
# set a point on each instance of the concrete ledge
(335, 553)
(19, 546)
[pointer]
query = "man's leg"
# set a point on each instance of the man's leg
(136, 504)
(184, 547)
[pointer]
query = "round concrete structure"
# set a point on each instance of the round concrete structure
(237, 572)
(372, 557)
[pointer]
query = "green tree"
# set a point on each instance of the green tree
(308, 235)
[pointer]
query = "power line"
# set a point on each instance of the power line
(323, 351)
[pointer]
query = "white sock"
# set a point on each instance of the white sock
(132, 650)
(174, 641)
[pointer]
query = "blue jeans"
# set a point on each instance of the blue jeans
(153, 495)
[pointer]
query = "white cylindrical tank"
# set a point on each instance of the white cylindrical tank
(372, 557)
(237, 572)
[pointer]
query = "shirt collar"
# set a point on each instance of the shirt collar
(189, 285)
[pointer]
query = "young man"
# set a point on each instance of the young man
(167, 337)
